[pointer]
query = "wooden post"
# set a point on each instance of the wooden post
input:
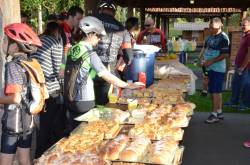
(226, 23)
(142, 17)
(164, 26)
(9, 13)
(40, 20)
(158, 21)
(91, 7)
(130, 11)
(167, 31)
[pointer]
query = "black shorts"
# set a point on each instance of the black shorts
(10, 142)
(215, 81)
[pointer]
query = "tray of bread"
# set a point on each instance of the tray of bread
(95, 114)
(68, 158)
(120, 151)
(110, 129)
(155, 131)
(154, 91)
(140, 150)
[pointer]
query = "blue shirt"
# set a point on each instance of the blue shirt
(216, 45)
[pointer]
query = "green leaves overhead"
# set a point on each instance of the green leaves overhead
(52, 6)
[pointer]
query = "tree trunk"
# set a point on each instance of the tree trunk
(9, 13)
(40, 20)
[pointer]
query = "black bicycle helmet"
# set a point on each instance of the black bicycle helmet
(110, 4)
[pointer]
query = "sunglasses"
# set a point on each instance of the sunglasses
(147, 25)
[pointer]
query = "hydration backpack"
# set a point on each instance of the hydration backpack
(36, 83)
(70, 75)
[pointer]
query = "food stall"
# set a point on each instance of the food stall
(144, 126)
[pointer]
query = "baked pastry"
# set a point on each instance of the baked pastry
(162, 152)
(136, 150)
(113, 148)
(166, 131)
(185, 107)
(79, 144)
(66, 158)
(96, 128)
(119, 116)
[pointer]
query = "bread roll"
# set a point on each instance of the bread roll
(162, 152)
(136, 150)
(113, 148)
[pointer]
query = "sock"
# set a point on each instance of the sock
(214, 113)
(219, 111)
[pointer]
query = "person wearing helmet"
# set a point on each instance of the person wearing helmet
(91, 65)
(117, 38)
(17, 123)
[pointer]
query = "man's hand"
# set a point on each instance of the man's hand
(240, 70)
(207, 63)
(136, 85)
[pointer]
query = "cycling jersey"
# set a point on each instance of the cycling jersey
(117, 37)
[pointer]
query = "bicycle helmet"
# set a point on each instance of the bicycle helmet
(90, 24)
(24, 36)
(110, 4)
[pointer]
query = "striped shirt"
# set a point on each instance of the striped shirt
(49, 55)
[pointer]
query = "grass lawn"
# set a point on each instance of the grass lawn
(204, 104)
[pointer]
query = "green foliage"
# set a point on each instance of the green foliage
(234, 20)
(52, 6)
(121, 14)
(30, 5)
(48, 7)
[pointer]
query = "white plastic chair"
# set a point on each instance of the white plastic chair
(230, 74)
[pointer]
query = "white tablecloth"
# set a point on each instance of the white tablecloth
(174, 67)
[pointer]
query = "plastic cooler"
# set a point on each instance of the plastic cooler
(150, 62)
(143, 62)
(137, 66)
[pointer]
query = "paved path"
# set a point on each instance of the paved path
(217, 144)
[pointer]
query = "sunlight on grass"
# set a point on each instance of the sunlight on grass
(204, 104)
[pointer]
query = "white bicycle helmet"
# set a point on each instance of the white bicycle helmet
(90, 24)
(107, 4)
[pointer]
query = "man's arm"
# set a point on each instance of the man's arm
(14, 98)
(246, 61)
(201, 53)
(163, 42)
(126, 47)
(140, 38)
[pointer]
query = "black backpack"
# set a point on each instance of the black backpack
(70, 75)
(16, 117)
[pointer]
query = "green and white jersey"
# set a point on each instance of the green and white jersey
(91, 66)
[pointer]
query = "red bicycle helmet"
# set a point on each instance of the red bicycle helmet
(22, 33)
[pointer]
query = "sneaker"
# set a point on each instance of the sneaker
(204, 93)
(220, 116)
(212, 119)
(229, 104)
(247, 144)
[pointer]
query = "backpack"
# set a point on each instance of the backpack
(36, 84)
(70, 75)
